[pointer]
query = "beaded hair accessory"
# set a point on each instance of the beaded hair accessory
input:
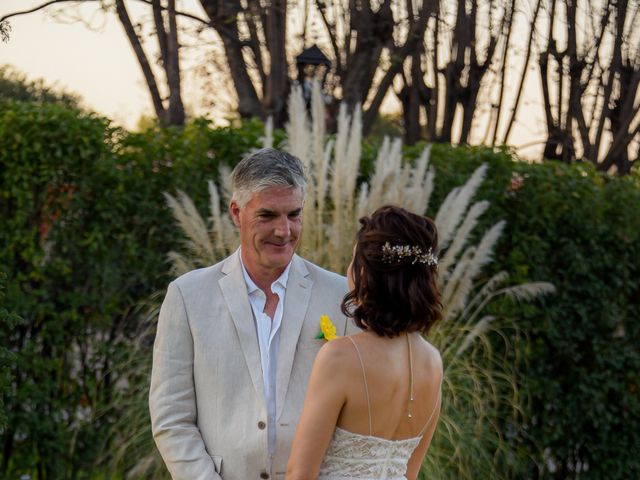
(391, 254)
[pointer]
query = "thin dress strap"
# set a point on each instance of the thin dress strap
(435, 407)
(366, 387)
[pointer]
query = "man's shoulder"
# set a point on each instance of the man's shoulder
(200, 276)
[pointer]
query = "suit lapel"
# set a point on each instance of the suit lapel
(234, 290)
(295, 308)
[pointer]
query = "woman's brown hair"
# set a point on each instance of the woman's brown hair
(394, 273)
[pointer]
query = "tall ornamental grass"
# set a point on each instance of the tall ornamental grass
(481, 401)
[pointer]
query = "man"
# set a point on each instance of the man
(236, 341)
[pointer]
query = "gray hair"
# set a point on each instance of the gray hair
(266, 168)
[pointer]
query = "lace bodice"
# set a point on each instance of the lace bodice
(364, 457)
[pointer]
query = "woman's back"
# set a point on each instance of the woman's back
(373, 399)
(386, 413)
(389, 383)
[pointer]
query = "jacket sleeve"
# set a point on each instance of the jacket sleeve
(172, 396)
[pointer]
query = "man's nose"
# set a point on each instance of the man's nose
(283, 227)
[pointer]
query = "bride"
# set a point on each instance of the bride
(373, 398)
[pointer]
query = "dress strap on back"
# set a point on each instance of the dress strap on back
(366, 387)
(435, 407)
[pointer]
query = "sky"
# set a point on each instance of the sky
(96, 61)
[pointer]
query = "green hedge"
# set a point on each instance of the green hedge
(84, 238)
(580, 230)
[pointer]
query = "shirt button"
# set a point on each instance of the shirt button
(261, 426)
(264, 475)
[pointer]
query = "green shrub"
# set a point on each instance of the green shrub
(579, 368)
(83, 241)
(84, 238)
(8, 321)
(580, 230)
(47, 157)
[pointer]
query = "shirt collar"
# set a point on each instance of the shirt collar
(251, 285)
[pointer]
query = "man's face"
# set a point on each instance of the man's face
(270, 225)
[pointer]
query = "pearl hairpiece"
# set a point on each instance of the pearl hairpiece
(391, 254)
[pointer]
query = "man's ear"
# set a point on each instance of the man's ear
(234, 211)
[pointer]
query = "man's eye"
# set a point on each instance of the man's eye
(295, 214)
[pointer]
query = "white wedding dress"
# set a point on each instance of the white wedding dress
(353, 456)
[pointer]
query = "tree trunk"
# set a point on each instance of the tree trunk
(277, 85)
(224, 19)
(161, 31)
(503, 70)
(554, 138)
(525, 69)
(431, 97)
(411, 46)
(410, 98)
(125, 20)
(175, 113)
(374, 31)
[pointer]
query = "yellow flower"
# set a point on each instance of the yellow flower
(327, 329)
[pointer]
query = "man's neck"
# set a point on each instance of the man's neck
(263, 278)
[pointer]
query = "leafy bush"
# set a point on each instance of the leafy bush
(84, 236)
(579, 368)
(580, 230)
(48, 249)
(8, 321)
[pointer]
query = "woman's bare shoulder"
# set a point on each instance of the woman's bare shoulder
(431, 358)
(339, 352)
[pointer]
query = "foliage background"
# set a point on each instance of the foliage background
(83, 242)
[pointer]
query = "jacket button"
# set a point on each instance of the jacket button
(262, 426)
(264, 475)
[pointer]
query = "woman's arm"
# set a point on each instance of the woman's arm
(323, 403)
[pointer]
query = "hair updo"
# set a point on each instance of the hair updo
(398, 293)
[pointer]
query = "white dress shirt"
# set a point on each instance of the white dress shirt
(268, 331)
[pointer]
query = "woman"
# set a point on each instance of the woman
(373, 398)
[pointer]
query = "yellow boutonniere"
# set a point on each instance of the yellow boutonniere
(327, 329)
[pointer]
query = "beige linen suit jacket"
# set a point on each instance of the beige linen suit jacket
(208, 411)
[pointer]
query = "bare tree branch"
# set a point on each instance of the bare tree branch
(161, 32)
(434, 98)
(40, 7)
(615, 66)
(331, 31)
(277, 85)
(508, 23)
(525, 70)
(175, 112)
(398, 55)
(178, 13)
(224, 18)
(52, 2)
(255, 43)
(156, 99)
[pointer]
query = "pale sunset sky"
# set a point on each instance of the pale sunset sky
(97, 62)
